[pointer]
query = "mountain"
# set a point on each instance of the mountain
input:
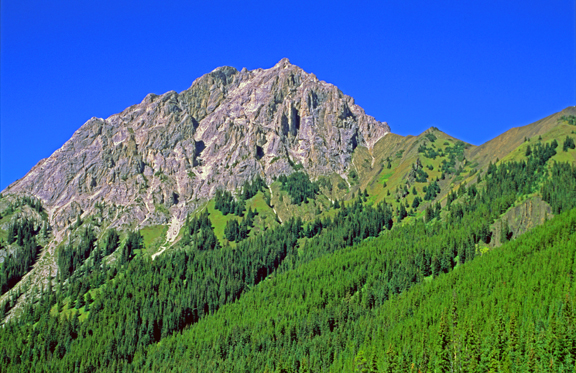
(504, 144)
(161, 159)
(261, 221)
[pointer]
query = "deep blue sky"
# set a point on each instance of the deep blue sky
(473, 69)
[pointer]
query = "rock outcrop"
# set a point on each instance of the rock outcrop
(163, 157)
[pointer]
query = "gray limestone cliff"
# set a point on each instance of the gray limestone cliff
(159, 160)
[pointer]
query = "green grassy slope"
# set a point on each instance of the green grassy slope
(506, 143)
(154, 236)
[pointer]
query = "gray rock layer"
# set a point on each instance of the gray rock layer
(163, 157)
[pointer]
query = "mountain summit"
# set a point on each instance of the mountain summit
(160, 159)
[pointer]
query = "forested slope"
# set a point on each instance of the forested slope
(324, 312)
(377, 282)
(510, 310)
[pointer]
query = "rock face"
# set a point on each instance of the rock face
(160, 159)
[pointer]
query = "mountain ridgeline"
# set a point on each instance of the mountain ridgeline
(260, 221)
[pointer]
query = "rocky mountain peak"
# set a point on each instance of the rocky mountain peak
(160, 159)
(283, 63)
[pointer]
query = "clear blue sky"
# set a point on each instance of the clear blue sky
(472, 68)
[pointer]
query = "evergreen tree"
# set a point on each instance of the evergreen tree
(429, 214)
(416, 202)
(402, 212)
(135, 241)
(80, 301)
(471, 362)
(112, 241)
(391, 360)
(513, 349)
(299, 187)
(336, 204)
(443, 346)
(304, 368)
(231, 230)
(373, 363)
(568, 144)
(505, 232)
(360, 363)
(432, 191)
(455, 336)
